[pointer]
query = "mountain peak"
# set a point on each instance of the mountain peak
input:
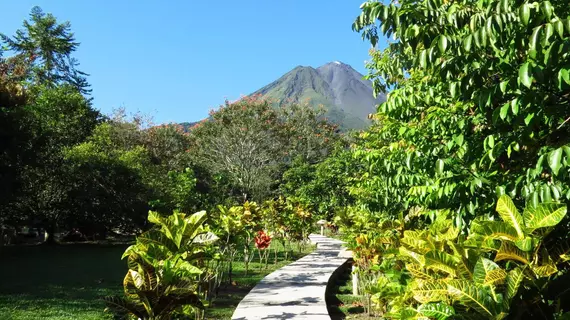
(335, 63)
(342, 90)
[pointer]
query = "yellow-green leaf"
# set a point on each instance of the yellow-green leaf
(543, 215)
(514, 279)
(509, 213)
(509, 251)
(429, 291)
(482, 269)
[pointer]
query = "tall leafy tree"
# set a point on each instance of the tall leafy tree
(251, 143)
(479, 105)
(244, 141)
(59, 118)
(49, 45)
(15, 130)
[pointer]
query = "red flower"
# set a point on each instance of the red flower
(262, 240)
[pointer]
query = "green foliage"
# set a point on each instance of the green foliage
(445, 271)
(321, 186)
(251, 143)
(477, 107)
(478, 110)
(162, 279)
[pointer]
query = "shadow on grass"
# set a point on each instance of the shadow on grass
(59, 282)
(340, 301)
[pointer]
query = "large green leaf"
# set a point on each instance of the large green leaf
(416, 241)
(482, 243)
(509, 213)
(508, 251)
(442, 43)
(205, 238)
(441, 261)
(438, 311)
(494, 230)
(544, 215)
(415, 256)
(439, 165)
(525, 75)
(123, 306)
(429, 291)
(187, 268)
(514, 279)
(487, 272)
(418, 272)
(195, 223)
(473, 296)
(155, 217)
(527, 244)
(138, 279)
(156, 237)
(554, 160)
(543, 266)
(524, 13)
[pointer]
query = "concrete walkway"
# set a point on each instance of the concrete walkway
(296, 291)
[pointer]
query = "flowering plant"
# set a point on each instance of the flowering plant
(262, 240)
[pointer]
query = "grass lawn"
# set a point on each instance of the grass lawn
(68, 281)
(59, 282)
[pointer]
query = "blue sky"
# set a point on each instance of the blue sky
(174, 60)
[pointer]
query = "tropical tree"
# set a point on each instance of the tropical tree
(48, 45)
(251, 143)
(479, 103)
(243, 141)
(15, 130)
(58, 118)
(322, 186)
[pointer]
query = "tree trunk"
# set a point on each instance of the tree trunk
(230, 269)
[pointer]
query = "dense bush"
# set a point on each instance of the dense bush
(478, 110)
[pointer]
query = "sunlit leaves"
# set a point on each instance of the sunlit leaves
(524, 13)
(478, 111)
(525, 75)
(544, 215)
(509, 213)
(509, 251)
(438, 311)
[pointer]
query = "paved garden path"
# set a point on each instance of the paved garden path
(296, 291)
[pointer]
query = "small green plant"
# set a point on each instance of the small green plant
(163, 276)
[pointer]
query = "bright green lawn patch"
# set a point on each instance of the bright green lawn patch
(68, 281)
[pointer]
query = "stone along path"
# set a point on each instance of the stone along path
(296, 291)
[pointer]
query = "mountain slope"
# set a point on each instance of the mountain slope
(337, 86)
